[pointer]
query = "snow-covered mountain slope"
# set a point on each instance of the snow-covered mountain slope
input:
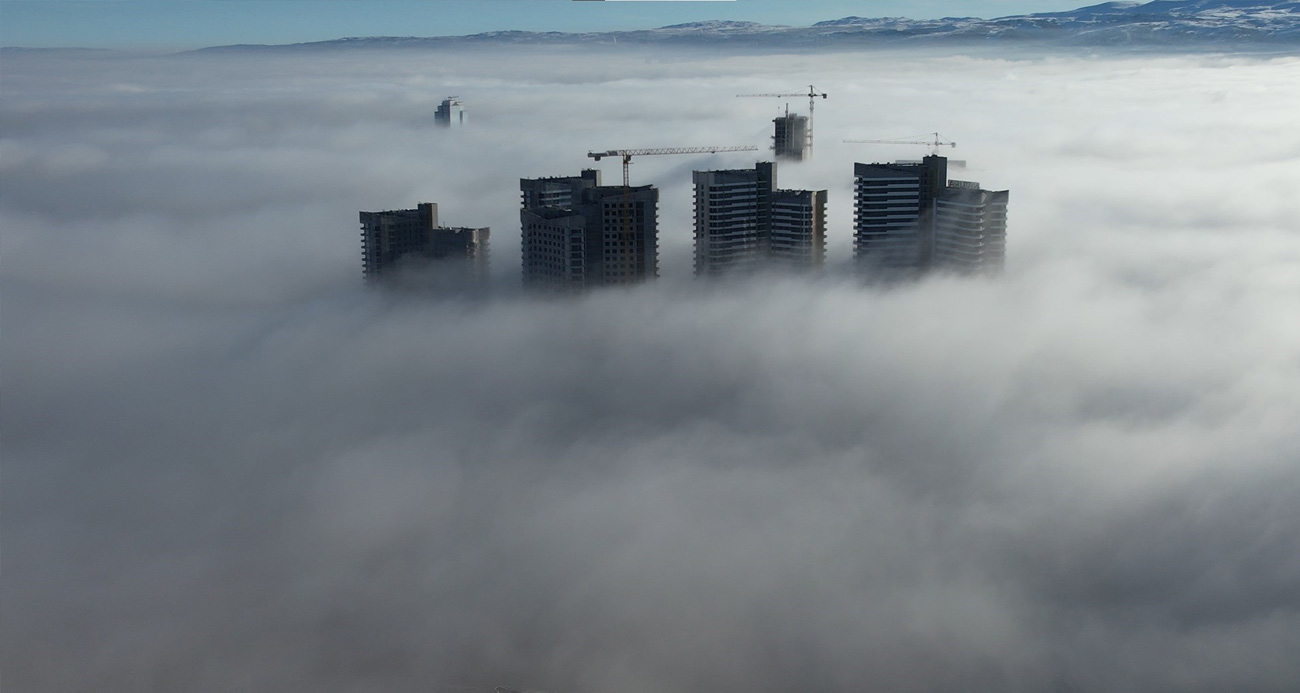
(1171, 24)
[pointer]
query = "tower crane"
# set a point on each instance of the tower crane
(812, 101)
(627, 154)
(934, 144)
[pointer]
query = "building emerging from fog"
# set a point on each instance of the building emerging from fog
(790, 137)
(908, 217)
(970, 228)
(412, 238)
(893, 212)
(743, 221)
(578, 233)
(450, 113)
(798, 228)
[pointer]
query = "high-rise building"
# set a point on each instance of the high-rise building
(908, 217)
(742, 220)
(893, 212)
(450, 113)
(970, 228)
(578, 233)
(798, 235)
(412, 238)
(790, 137)
(733, 210)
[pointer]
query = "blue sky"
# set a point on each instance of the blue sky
(197, 23)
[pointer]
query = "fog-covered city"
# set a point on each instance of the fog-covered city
(231, 465)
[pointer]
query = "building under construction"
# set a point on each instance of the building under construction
(908, 217)
(577, 233)
(798, 230)
(411, 239)
(790, 137)
(743, 221)
(970, 228)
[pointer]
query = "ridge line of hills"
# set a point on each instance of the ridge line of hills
(1273, 24)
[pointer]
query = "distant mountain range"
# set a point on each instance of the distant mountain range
(1172, 24)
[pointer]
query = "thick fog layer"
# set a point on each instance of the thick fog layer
(229, 466)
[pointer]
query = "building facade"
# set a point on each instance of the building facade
(893, 212)
(970, 229)
(798, 228)
(908, 218)
(733, 212)
(450, 113)
(743, 222)
(790, 137)
(578, 234)
(412, 239)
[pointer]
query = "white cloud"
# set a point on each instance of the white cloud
(228, 464)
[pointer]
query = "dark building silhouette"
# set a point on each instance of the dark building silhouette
(970, 228)
(450, 113)
(798, 230)
(908, 217)
(577, 233)
(893, 212)
(743, 221)
(790, 137)
(412, 238)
